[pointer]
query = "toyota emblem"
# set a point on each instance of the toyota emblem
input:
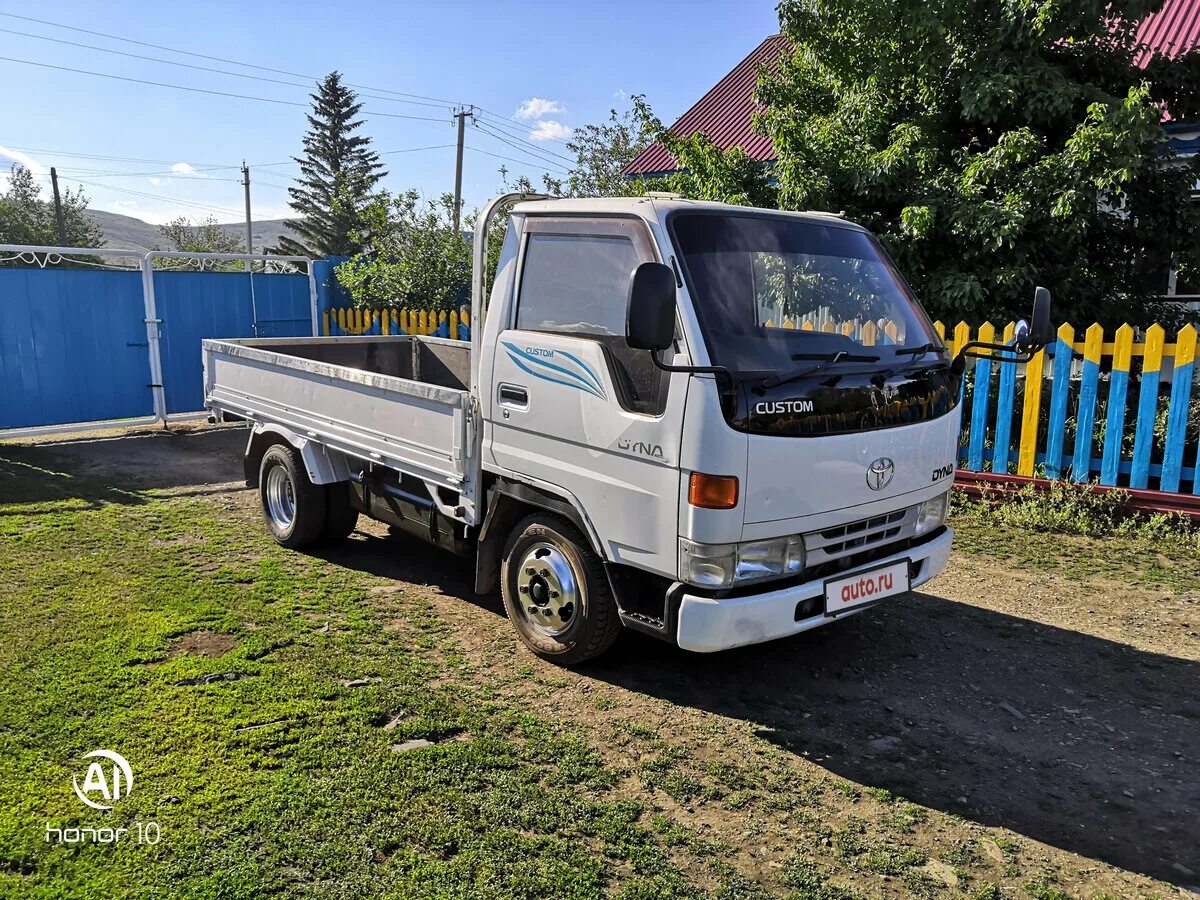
(879, 473)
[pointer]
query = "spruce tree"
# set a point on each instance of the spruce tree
(337, 172)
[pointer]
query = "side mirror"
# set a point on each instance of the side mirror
(1038, 332)
(650, 315)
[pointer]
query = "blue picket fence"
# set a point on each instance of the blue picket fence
(1094, 427)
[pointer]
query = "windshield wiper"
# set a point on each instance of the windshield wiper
(827, 359)
(918, 352)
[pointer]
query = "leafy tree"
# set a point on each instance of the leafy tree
(411, 256)
(205, 236)
(338, 173)
(705, 172)
(993, 146)
(25, 218)
(603, 150)
(201, 237)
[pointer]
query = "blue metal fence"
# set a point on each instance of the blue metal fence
(198, 305)
(74, 342)
(72, 347)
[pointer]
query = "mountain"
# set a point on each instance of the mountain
(126, 231)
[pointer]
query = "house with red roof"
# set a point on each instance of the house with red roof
(726, 113)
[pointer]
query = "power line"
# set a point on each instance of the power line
(531, 154)
(116, 173)
(522, 134)
(232, 62)
(109, 187)
(172, 62)
(165, 162)
(523, 162)
(180, 87)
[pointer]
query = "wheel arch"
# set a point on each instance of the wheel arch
(323, 465)
(510, 501)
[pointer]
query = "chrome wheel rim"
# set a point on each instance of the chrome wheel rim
(547, 589)
(281, 498)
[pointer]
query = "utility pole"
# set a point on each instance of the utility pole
(249, 230)
(58, 210)
(461, 115)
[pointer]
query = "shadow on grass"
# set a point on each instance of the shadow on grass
(96, 470)
(402, 557)
(1073, 740)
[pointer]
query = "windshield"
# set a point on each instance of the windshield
(771, 290)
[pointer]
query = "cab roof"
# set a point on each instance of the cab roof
(656, 208)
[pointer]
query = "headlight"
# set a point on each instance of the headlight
(931, 514)
(723, 565)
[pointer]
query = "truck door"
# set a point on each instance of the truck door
(575, 407)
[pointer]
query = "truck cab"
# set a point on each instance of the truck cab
(714, 424)
(727, 477)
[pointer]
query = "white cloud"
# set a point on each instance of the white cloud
(182, 168)
(8, 157)
(549, 130)
(536, 107)
(156, 181)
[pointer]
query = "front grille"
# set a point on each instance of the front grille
(854, 537)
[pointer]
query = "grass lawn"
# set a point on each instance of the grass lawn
(268, 702)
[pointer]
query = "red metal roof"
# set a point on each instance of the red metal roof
(1173, 30)
(725, 114)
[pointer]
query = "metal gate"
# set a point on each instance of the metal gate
(86, 341)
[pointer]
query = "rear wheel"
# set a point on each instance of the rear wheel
(293, 507)
(340, 515)
(556, 592)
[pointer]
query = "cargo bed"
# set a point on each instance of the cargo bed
(400, 402)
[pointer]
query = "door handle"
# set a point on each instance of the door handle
(514, 395)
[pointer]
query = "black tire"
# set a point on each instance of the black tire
(340, 515)
(539, 613)
(292, 506)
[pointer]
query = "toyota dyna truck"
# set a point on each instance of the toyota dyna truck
(636, 434)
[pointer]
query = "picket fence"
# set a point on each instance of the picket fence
(344, 321)
(1086, 378)
(1083, 384)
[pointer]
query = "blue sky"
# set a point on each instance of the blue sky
(578, 59)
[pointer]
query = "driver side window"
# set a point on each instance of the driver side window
(577, 284)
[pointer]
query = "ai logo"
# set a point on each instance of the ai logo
(111, 786)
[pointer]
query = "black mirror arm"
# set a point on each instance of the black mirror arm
(1020, 355)
(728, 393)
(693, 370)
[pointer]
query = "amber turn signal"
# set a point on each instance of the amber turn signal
(712, 491)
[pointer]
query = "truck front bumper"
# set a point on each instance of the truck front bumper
(707, 625)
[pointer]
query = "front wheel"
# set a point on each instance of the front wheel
(556, 592)
(292, 506)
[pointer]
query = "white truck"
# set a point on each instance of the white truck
(632, 438)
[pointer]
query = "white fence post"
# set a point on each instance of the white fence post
(158, 391)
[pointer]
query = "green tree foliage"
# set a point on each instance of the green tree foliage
(25, 218)
(993, 146)
(411, 256)
(603, 150)
(337, 175)
(205, 236)
(201, 237)
(705, 171)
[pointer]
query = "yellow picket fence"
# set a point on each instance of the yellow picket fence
(353, 321)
